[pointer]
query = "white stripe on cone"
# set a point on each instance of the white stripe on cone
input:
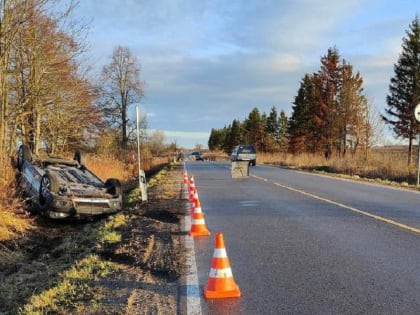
(197, 210)
(198, 221)
(219, 253)
(220, 273)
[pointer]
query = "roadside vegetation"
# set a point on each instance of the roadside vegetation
(385, 165)
(72, 267)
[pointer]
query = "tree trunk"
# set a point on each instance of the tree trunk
(37, 131)
(410, 149)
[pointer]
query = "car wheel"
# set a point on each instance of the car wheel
(49, 184)
(113, 187)
(24, 154)
(80, 158)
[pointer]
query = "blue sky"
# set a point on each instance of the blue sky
(206, 63)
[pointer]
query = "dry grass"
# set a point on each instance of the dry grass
(11, 224)
(125, 169)
(109, 167)
(385, 164)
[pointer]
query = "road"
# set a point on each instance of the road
(300, 243)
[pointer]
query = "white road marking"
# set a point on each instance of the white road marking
(368, 214)
(193, 287)
(193, 299)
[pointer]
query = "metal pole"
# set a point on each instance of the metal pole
(138, 141)
(418, 161)
(142, 175)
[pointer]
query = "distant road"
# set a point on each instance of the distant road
(307, 244)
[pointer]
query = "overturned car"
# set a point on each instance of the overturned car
(61, 188)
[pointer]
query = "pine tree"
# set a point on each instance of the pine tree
(302, 115)
(272, 125)
(282, 131)
(253, 129)
(234, 135)
(404, 89)
(326, 110)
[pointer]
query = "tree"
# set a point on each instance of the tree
(215, 139)
(404, 88)
(254, 129)
(352, 110)
(157, 143)
(372, 129)
(300, 123)
(121, 89)
(13, 15)
(234, 135)
(45, 99)
(281, 138)
(327, 82)
(330, 109)
(272, 131)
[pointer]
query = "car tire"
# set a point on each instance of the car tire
(49, 184)
(24, 154)
(113, 187)
(79, 157)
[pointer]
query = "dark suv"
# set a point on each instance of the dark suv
(198, 156)
(244, 152)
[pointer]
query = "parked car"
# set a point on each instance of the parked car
(61, 188)
(244, 152)
(198, 156)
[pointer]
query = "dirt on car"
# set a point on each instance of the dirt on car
(128, 263)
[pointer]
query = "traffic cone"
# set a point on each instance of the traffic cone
(196, 208)
(191, 195)
(221, 283)
(198, 225)
(191, 189)
(185, 178)
(195, 198)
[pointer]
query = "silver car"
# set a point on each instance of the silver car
(61, 188)
(244, 152)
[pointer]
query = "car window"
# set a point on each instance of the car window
(247, 149)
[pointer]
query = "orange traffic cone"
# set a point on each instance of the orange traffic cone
(221, 283)
(192, 191)
(196, 208)
(185, 178)
(198, 225)
(192, 188)
(195, 197)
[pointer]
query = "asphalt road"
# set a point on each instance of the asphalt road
(306, 244)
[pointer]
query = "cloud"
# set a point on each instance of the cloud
(185, 139)
(208, 62)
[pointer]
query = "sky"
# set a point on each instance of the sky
(208, 62)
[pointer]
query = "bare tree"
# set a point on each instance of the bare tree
(375, 127)
(121, 88)
(44, 97)
(13, 14)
